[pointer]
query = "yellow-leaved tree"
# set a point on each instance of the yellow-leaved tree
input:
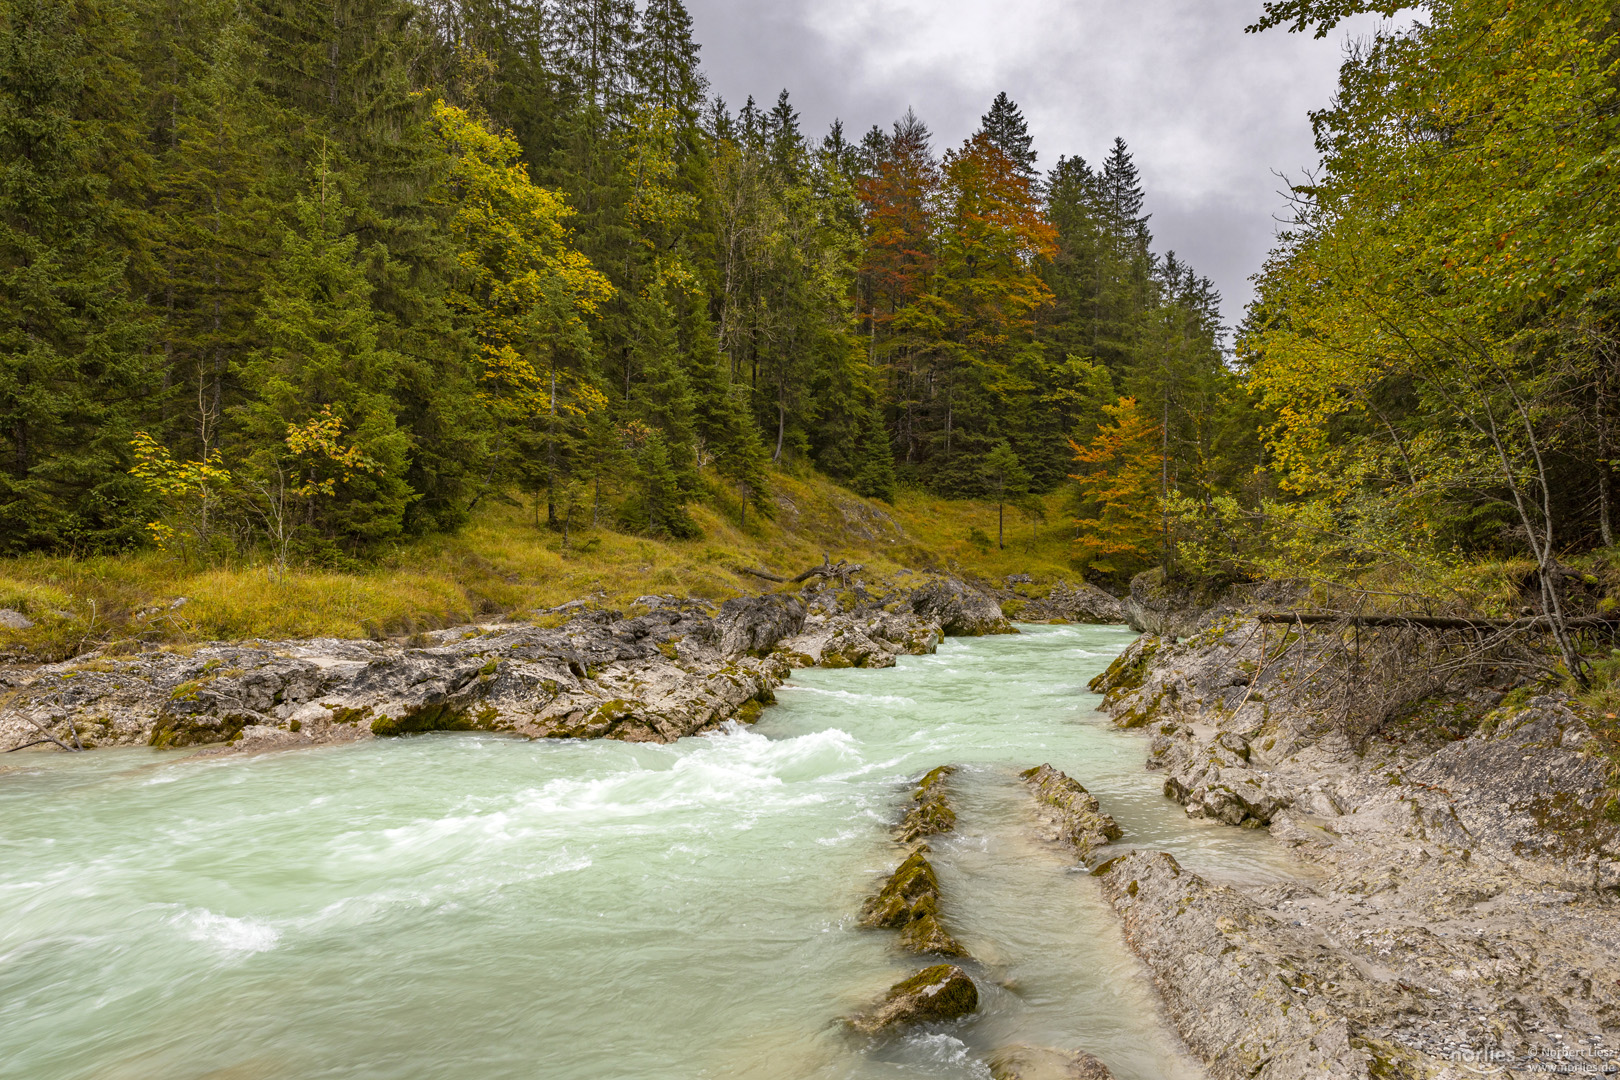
(527, 294)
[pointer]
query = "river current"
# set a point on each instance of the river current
(486, 908)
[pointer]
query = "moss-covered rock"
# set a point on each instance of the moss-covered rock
(911, 892)
(1074, 813)
(930, 812)
(935, 994)
(172, 732)
(1129, 668)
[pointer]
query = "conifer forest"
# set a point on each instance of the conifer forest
(308, 276)
(317, 275)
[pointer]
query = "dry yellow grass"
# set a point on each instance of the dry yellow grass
(501, 564)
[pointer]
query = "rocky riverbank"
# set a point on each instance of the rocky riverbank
(669, 669)
(1462, 916)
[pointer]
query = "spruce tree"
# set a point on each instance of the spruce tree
(1008, 132)
(321, 352)
(75, 365)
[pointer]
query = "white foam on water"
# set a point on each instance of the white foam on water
(227, 933)
(849, 695)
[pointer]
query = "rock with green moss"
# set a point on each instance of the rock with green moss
(930, 812)
(934, 995)
(1071, 813)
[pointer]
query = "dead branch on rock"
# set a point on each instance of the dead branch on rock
(76, 748)
(828, 569)
(1360, 672)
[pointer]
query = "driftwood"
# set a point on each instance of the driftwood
(1438, 622)
(841, 570)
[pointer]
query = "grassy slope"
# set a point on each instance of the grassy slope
(502, 565)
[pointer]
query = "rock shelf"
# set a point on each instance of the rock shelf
(1459, 894)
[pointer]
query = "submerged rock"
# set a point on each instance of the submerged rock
(1075, 816)
(935, 994)
(1043, 1063)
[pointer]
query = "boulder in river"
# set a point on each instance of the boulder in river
(939, 993)
(1044, 1063)
(959, 608)
(1075, 816)
(909, 903)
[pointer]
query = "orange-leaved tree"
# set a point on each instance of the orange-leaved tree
(1118, 480)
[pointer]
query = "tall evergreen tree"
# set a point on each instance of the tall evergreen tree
(75, 366)
(1005, 127)
(321, 354)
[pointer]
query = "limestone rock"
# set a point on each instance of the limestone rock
(1459, 871)
(936, 994)
(14, 620)
(1252, 997)
(1072, 812)
(1044, 1063)
(960, 609)
(930, 811)
(909, 902)
(1073, 603)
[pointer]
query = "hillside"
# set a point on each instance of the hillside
(501, 565)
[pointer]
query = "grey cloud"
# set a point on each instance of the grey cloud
(1210, 112)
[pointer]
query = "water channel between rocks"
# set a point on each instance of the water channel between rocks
(489, 908)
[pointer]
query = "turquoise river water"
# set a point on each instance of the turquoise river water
(483, 908)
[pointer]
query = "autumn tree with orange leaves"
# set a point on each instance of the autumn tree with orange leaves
(1117, 493)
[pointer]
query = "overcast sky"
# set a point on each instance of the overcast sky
(1210, 113)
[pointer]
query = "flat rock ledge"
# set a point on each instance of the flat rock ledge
(934, 995)
(1071, 814)
(1457, 907)
(678, 668)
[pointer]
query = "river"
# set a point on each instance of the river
(482, 907)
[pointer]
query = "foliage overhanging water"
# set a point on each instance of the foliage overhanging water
(488, 908)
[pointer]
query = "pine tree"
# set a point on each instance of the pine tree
(665, 61)
(1005, 127)
(875, 476)
(1006, 481)
(75, 366)
(321, 356)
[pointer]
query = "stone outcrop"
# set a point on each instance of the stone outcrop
(1251, 996)
(1459, 898)
(960, 609)
(1065, 602)
(677, 669)
(930, 811)
(933, 995)
(1071, 813)
(1044, 1063)
(909, 901)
